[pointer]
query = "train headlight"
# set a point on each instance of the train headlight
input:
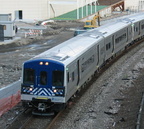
(46, 63)
(58, 92)
(41, 63)
(30, 89)
(54, 90)
(27, 89)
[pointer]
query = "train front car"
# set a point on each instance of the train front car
(43, 86)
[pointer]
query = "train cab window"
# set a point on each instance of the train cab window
(29, 76)
(43, 78)
(57, 78)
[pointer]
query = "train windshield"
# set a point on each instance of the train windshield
(29, 76)
(58, 78)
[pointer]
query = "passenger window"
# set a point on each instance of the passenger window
(43, 78)
(136, 29)
(68, 77)
(108, 46)
(58, 78)
(29, 76)
(142, 26)
(4, 27)
(72, 76)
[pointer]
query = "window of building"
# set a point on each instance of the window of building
(20, 14)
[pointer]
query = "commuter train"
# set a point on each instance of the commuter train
(51, 78)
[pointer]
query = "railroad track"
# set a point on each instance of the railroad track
(37, 122)
(20, 119)
(28, 121)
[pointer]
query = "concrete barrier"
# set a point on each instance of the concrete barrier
(9, 96)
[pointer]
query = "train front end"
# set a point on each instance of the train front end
(42, 86)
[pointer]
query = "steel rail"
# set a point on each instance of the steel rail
(54, 119)
(138, 124)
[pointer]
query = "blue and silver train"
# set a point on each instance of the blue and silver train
(50, 79)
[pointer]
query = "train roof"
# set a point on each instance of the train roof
(135, 17)
(118, 25)
(108, 29)
(70, 49)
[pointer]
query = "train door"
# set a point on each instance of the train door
(108, 47)
(113, 44)
(42, 83)
(133, 34)
(129, 34)
(101, 53)
(139, 30)
(98, 55)
(78, 71)
(136, 30)
(42, 78)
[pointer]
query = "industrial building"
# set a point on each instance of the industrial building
(46, 9)
(134, 5)
(40, 9)
(7, 27)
